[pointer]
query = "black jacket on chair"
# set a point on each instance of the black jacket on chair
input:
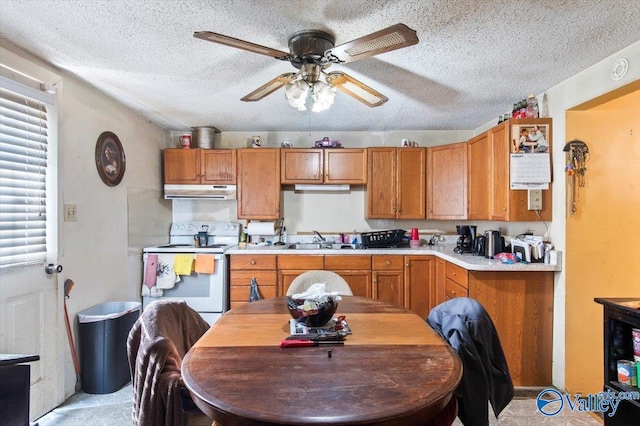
(466, 325)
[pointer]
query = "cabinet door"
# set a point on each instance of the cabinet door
(499, 144)
(259, 183)
(359, 281)
(447, 182)
(181, 166)
(301, 166)
(412, 183)
(218, 166)
(381, 186)
(388, 286)
(479, 177)
(419, 282)
(345, 166)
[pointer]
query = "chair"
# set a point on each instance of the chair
(466, 325)
(332, 281)
(156, 344)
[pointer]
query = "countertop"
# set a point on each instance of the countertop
(443, 251)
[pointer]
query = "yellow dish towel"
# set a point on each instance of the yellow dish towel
(184, 264)
(205, 263)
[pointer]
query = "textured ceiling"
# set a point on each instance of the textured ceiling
(475, 58)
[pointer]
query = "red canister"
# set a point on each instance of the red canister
(414, 234)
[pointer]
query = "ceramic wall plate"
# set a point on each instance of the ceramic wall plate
(110, 159)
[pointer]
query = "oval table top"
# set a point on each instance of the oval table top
(392, 370)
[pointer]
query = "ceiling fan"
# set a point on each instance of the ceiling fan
(312, 51)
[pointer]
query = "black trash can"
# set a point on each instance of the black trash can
(102, 334)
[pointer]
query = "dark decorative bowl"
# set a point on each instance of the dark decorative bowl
(313, 313)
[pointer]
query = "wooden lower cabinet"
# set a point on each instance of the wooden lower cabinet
(419, 284)
(388, 279)
(356, 270)
(245, 267)
(521, 307)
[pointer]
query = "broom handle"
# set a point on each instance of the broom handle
(73, 346)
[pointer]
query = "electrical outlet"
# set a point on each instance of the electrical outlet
(70, 213)
(534, 199)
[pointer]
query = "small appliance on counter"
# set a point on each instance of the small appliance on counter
(465, 241)
(493, 244)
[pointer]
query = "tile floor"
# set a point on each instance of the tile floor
(114, 409)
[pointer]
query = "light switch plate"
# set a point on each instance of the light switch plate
(70, 213)
(534, 199)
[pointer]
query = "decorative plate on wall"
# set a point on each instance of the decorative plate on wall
(110, 159)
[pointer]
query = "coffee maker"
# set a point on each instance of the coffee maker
(465, 240)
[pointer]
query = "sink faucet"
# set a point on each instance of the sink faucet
(320, 236)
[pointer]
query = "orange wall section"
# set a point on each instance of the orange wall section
(603, 236)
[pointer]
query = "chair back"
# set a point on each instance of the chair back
(466, 325)
(156, 344)
(332, 281)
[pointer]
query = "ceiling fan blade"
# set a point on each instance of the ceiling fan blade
(391, 38)
(241, 44)
(270, 87)
(356, 89)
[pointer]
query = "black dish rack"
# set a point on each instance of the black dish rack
(384, 239)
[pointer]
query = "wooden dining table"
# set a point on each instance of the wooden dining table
(392, 370)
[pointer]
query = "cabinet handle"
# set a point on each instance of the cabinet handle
(406, 264)
(388, 262)
(504, 209)
(253, 262)
(453, 273)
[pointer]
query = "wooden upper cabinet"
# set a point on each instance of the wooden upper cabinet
(302, 166)
(318, 166)
(181, 166)
(345, 166)
(499, 166)
(479, 184)
(396, 187)
(199, 166)
(218, 166)
(447, 182)
(259, 183)
(490, 195)
(411, 183)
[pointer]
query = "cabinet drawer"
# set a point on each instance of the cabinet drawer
(347, 262)
(387, 263)
(306, 262)
(264, 278)
(262, 262)
(457, 274)
(453, 290)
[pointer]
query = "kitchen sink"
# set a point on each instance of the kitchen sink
(320, 246)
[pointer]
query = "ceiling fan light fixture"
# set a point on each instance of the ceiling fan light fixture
(296, 92)
(323, 95)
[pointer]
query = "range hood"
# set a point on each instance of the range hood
(199, 192)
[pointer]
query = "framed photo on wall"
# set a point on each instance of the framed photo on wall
(110, 159)
(530, 138)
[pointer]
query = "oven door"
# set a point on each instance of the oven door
(205, 293)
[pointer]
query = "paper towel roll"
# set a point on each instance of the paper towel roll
(261, 228)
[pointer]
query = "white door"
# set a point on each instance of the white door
(30, 300)
(29, 325)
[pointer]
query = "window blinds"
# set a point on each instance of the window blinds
(23, 168)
